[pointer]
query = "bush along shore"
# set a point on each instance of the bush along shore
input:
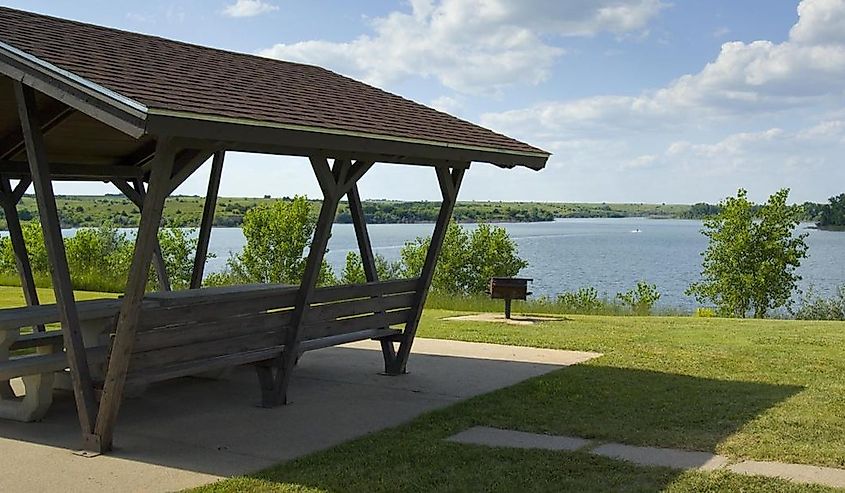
(748, 268)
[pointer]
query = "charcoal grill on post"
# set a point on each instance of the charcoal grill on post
(509, 289)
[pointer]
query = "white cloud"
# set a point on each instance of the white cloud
(476, 46)
(762, 115)
(248, 8)
(807, 70)
(447, 104)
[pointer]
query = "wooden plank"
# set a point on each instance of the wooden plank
(206, 331)
(13, 225)
(210, 311)
(38, 339)
(336, 340)
(15, 318)
(343, 326)
(39, 169)
(32, 365)
(353, 291)
(399, 364)
(216, 294)
(73, 171)
(205, 350)
(44, 363)
(127, 321)
(207, 219)
(328, 312)
(193, 367)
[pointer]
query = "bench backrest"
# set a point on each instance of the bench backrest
(185, 332)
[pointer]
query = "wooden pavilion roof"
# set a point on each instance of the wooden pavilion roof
(142, 86)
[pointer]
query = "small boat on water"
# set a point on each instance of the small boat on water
(638, 230)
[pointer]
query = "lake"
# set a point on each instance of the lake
(608, 254)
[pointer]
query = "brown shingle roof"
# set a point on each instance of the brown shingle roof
(176, 76)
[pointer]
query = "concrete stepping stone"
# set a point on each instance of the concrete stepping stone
(799, 473)
(663, 457)
(494, 437)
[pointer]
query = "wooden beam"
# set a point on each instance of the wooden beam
(276, 394)
(307, 142)
(13, 225)
(83, 388)
(20, 189)
(158, 254)
(450, 196)
(127, 322)
(368, 259)
(186, 164)
(207, 219)
(49, 118)
(136, 196)
(68, 171)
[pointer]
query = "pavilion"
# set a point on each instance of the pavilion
(83, 102)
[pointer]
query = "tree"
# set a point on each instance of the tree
(750, 262)
(467, 260)
(832, 214)
(277, 234)
(179, 247)
(353, 270)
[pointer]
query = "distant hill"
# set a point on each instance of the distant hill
(185, 211)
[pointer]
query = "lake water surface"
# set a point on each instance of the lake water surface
(608, 254)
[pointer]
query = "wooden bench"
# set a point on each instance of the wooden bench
(192, 332)
(202, 330)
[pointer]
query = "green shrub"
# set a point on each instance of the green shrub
(584, 300)
(814, 307)
(640, 299)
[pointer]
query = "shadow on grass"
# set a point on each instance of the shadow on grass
(615, 404)
(638, 407)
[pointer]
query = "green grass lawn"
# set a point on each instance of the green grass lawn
(765, 390)
(12, 296)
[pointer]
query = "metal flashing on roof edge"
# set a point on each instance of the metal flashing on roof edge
(125, 114)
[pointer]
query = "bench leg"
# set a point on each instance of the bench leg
(7, 338)
(38, 389)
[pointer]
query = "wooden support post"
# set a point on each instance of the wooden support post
(207, 219)
(9, 200)
(335, 183)
(127, 322)
(368, 259)
(450, 183)
(136, 196)
(83, 388)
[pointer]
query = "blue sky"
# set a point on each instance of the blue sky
(639, 100)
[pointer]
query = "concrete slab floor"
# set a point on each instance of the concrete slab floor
(191, 431)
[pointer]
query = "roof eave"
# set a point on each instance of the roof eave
(261, 136)
(111, 108)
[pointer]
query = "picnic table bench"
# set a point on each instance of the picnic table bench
(183, 333)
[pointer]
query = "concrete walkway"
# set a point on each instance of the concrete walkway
(652, 456)
(190, 432)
